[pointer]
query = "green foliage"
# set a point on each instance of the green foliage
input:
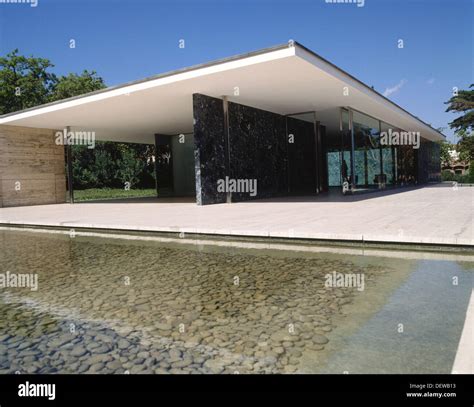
(111, 165)
(83, 168)
(460, 179)
(465, 145)
(470, 177)
(103, 166)
(462, 103)
(444, 151)
(112, 193)
(24, 82)
(447, 175)
(464, 124)
(73, 85)
(129, 168)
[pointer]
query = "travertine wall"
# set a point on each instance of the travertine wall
(32, 167)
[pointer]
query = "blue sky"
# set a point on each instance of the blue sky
(131, 39)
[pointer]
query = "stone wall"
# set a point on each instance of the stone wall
(257, 149)
(32, 167)
(301, 155)
(209, 148)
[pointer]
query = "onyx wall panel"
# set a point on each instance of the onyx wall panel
(258, 150)
(302, 155)
(209, 148)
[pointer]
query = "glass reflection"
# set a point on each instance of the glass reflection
(367, 151)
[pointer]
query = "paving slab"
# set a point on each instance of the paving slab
(436, 214)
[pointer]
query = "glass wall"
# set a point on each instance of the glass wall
(338, 150)
(388, 154)
(184, 179)
(346, 146)
(406, 165)
(365, 156)
(334, 168)
(366, 150)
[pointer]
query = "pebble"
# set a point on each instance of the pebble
(225, 327)
(78, 351)
(320, 339)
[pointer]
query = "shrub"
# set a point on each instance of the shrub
(129, 168)
(460, 179)
(447, 176)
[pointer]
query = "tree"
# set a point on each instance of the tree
(74, 85)
(129, 168)
(83, 168)
(103, 166)
(463, 125)
(465, 145)
(463, 102)
(445, 147)
(24, 82)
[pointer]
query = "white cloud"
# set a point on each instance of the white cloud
(395, 88)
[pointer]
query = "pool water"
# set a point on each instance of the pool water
(115, 305)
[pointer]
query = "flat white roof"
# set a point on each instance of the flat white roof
(284, 79)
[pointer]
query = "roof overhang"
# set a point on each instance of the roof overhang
(285, 79)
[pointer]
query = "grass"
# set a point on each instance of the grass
(111, 193)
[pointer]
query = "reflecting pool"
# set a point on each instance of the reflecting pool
(150, 305)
